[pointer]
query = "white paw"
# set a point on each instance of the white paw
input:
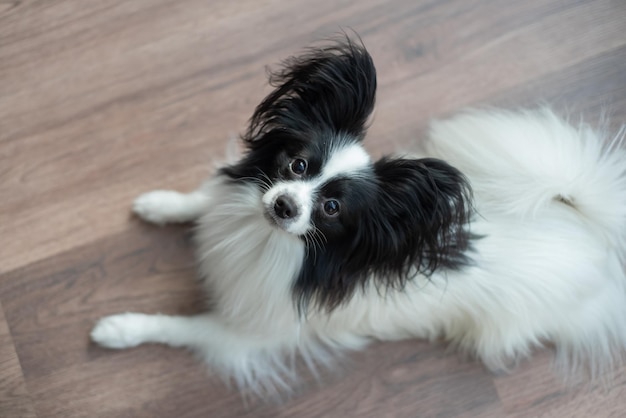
(158, 206)
(120, 331)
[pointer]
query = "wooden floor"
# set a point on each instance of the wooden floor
(103, 100)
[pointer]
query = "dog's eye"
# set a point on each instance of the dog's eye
(298, 166)
(331, 207)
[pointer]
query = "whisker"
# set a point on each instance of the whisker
(315, 239)
(265, 183)
(310, 242)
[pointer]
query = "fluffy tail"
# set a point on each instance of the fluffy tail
(533, 164)
(543, 160)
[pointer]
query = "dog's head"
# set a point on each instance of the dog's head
(358, 218)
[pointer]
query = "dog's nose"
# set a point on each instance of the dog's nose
(285, 207)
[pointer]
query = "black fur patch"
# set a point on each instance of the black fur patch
(411, 218)
(321, 97)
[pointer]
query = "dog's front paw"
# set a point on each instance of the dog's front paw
(119, 331)
(158, 206)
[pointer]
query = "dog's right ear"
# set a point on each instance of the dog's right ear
(329, 89)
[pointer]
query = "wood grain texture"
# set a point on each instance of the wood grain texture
(100, 101)
(15, 400)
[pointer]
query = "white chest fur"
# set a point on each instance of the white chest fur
(248, 266)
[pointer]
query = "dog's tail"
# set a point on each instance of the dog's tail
(535, 166)
(543, 161)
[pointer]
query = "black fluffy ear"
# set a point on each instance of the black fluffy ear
(425, 206)
(330, 89)
(416, 223)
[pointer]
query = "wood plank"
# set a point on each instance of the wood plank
(535, 391)
(15, 401)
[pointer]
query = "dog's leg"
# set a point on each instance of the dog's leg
(205, 332)
(166, 206)
(131, 329)
(255, 360)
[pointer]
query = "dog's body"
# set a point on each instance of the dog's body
(307, 246)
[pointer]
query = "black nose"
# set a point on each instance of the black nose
(285, 207)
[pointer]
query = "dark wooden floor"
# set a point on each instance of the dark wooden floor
(103, 100)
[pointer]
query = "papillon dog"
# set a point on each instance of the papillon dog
(507, 234)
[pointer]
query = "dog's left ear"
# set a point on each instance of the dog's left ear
(415, 223)
(423, 209)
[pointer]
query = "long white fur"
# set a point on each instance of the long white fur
(549, 267)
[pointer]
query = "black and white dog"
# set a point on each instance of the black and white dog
(510, 233)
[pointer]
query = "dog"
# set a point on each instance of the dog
(507, 234)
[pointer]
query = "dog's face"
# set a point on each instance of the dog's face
(316, 191)
(359, 219)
